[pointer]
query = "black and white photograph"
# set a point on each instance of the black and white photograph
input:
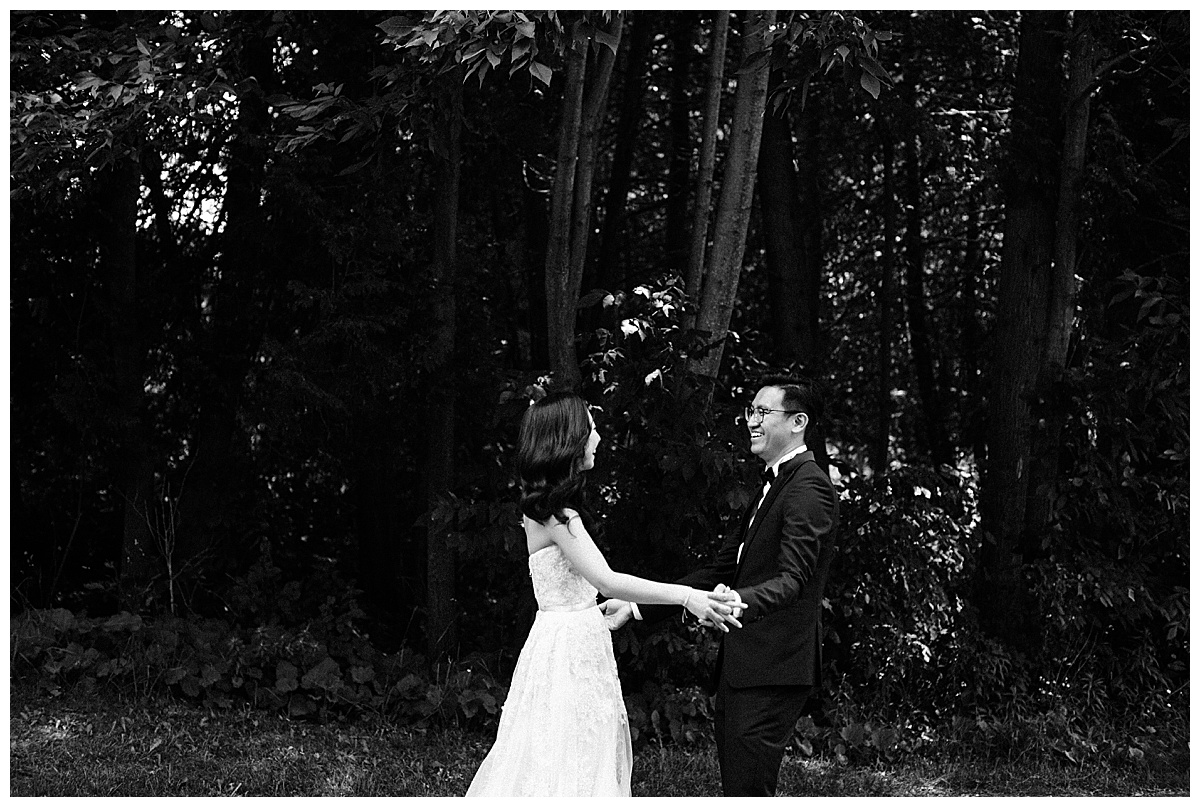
(660, 403)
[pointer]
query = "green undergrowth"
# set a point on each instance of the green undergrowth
(77, 744)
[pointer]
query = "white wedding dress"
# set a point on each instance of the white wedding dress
(563, 730)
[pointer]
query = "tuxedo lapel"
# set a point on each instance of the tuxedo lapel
(784, 476)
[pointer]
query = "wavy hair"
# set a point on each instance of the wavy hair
(550, 448)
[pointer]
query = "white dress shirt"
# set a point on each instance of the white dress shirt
(774, 469)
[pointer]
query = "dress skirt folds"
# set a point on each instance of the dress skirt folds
(563, 730)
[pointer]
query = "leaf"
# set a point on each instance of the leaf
(123, 621)
(325, 675)
(541, 72)
(191, 685)
(358, 166)
(605, 38)
(209, 675)
(870, 84)
(395, 27)
(875, 68)
(301, 705)
(853, 734)
(86, 81)
(592, 297)
(521, 49)
(285, 676)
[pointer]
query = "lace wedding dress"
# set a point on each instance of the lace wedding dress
(563, 730)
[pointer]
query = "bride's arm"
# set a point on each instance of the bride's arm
(579, 548)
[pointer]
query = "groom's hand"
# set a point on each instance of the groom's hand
(734, 600)
(616, 613)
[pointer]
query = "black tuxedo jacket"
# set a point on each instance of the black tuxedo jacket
(781, 577)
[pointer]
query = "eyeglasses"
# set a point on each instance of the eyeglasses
(759, 412)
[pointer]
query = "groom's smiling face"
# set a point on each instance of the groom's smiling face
(776, 433)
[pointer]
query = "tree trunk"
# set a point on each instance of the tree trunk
(609, 271)
(737, 193)
(571, 201)
(133, 467)
(794, 278)
(708, 157)
(560, 307)
(599, 79)
(970, 378)
(536, 242)
(933, 418)
(1006, 608)
(1060, 303)
(683, 34)
(441, 629)
(389, 556)
(879, 457)
(233, 323)
(808, 160)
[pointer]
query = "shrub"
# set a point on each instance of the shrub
(314, 670)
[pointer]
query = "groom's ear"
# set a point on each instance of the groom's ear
(801, 423)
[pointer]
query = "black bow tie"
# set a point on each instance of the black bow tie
(767, 476)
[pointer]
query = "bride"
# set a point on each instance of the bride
(563, 730)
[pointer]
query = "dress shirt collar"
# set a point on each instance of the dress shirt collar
(774, 467)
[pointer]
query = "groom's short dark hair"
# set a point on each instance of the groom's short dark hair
(803, 393)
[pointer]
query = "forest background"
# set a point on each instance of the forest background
(282, 284)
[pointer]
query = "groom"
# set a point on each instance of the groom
(777, 563)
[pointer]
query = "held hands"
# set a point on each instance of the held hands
(718, 608)
(616, 613)
(734, 601)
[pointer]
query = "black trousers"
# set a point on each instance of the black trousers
(753, 726)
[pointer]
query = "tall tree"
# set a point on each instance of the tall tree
(794, 276)
(881, 444)
(703, 181)
(616, 200)
(724, 264)
(135, 466)
(585, 98)
(682, 37)
(1061, 288)
(915, 304)
(442, 627)
(1022, 327)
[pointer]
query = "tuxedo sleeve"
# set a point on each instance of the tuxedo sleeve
(808, 518)
(706, 578)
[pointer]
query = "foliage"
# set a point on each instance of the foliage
(108, 89)
(894, 619)
(313, 669)
(840, 40)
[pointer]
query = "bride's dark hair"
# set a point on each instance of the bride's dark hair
(550, 447)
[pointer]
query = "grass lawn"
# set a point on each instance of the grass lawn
(77, 745)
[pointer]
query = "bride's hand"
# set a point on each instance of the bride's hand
(616, 613)
(715, 608)
(735, 600)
